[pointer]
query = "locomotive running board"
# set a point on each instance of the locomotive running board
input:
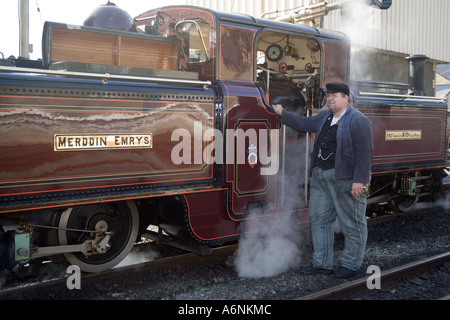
(157, 237)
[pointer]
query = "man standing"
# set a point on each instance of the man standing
(341, 164)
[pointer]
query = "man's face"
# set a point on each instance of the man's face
(337, 101)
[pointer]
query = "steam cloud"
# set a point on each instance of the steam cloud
(138, 256)
(265, 252)
(271, 244)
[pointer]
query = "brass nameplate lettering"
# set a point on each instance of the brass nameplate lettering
(102, 141)
(397, 135)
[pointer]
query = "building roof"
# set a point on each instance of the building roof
(444, 71)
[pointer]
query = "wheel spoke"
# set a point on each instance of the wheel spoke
(120, 220)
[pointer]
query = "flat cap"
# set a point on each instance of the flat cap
(337, 87)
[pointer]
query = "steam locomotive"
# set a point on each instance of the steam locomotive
(165, 120)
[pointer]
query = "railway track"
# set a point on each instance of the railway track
(59, 287)
(360, 287)
(356, 289)
(119, 283)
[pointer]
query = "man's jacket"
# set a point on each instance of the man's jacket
(354, 150)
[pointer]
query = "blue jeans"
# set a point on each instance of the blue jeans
(331, 198)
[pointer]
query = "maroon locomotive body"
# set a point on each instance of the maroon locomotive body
(170, 125)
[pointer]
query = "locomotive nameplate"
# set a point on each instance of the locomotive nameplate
(396, 135)
(102, 142)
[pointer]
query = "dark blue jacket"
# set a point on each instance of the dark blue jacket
(354, 151)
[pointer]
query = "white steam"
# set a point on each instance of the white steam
(271, 244)
(138, 256)
(363, 25)
(360, 22)
(265, 251)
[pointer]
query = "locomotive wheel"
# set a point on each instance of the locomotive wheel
(120, 218)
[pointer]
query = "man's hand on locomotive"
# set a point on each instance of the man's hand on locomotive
(278, 108)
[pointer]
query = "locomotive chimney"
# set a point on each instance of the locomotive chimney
(416, 74)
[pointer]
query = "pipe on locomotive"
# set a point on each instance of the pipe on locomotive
(104, 76)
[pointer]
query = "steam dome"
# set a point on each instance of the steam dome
(110, 16)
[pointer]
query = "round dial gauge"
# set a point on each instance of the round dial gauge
(274, 52)
(313, 45)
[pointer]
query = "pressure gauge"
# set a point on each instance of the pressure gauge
(313, 45)
(274, 52)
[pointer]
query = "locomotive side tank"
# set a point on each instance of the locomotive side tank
(410, 148)
(168, 123)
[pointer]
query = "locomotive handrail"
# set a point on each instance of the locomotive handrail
(104, 76)
(402, 96)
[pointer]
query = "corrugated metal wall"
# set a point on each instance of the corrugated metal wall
(407, 27)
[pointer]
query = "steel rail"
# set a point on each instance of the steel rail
(360, 285)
